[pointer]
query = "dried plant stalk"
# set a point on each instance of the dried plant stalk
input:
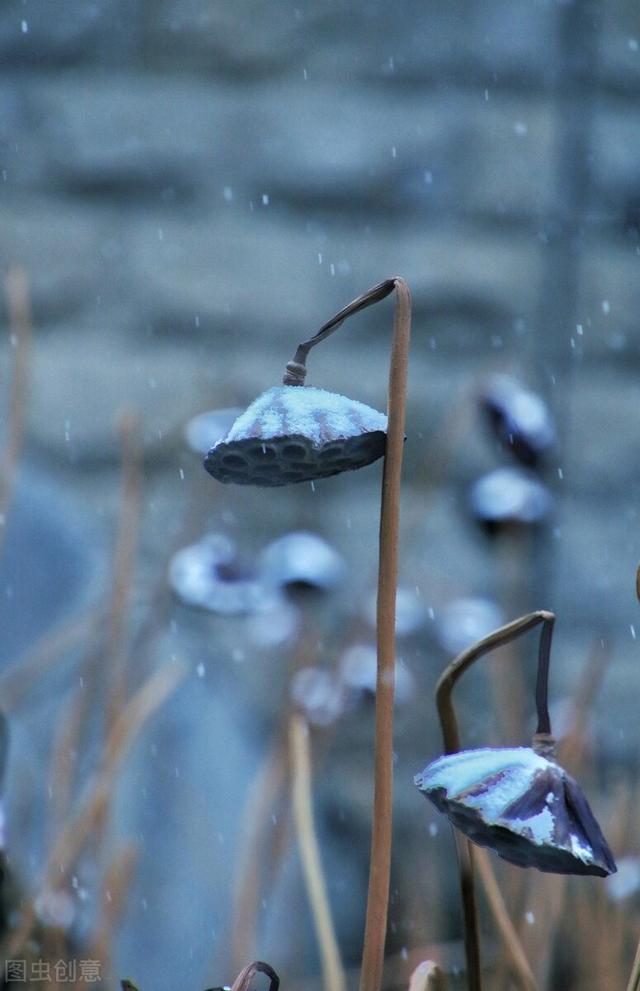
(505, 926)
(123, 565)
(80, 824)
(634, 978)
(380, 862)
(268, 783)
(332, 970)
(18, 679)
(115, 887)
(17, 293)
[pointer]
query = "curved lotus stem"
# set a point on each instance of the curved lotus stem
(463, 661)
(296, 369)
(451, 740)
(241, 982)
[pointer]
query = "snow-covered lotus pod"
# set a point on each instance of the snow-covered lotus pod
(296, 434)
(509, 496)
(300, 561)
(520, 804)
(207, 575)
(520, 418)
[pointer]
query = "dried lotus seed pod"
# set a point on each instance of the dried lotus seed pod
(521, 805)
(509, 497)
(298, 434)
(302, 561)
(520, 419)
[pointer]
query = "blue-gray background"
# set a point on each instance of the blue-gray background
(194, 186)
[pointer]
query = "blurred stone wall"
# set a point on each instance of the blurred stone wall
(194, 186)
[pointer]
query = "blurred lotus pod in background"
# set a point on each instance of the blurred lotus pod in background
(318, 694)
(297, 434)
(509, 497)
(520, 419)
(411, 615)
(302, 561)
(324, 696)
(463, 621)
(520, 804)
(206, 429)
(209, 576)
(275, 622)
(358, 675)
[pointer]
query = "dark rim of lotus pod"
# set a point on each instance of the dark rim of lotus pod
(290, 459)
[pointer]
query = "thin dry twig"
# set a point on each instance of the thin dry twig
(572, 747)
(123, 564)
(634, 978)
(117, 880)
(264, 793)
(268, 783)
(18, 679)
(503, 921)
(333, 972)
(79, 826)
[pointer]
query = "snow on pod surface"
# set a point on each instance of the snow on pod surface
(296, 434)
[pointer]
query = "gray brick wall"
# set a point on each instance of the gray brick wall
(192, 187)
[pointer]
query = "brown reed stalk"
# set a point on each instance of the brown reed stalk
(264, 792)
(123, 564)
(301, 793)
(17, 295)
(267, 784)
(19, 678)
(78, 828)
(633, 984)
(115, 886)
(380, 860)
(505, 926)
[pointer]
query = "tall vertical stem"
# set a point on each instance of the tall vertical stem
(380, 862)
